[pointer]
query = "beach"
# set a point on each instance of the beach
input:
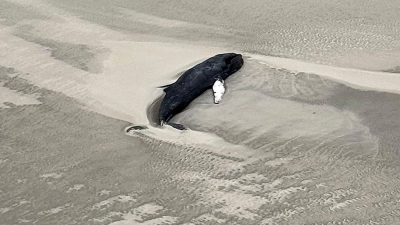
(306, 133)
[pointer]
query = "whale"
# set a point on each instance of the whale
(196, 80)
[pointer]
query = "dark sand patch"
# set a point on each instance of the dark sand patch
(77, 55)
(7, 71)
(394, 70)
(9, 78)
(379, 111)
(11, 14)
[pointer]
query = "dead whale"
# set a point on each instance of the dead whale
(194, 82)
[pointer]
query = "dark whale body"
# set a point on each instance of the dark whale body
(194, 82)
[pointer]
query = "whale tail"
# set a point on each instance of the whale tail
(135, 128)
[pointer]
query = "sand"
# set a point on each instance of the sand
(306, 133)
(359, 79)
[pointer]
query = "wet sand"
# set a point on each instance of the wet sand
(307, 131)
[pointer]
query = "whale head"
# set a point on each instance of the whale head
(233, 63)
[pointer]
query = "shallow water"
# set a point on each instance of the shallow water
(283, 146)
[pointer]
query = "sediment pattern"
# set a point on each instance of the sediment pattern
(280, 148)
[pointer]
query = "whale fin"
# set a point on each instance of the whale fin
(177, 126)
(166, 86)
